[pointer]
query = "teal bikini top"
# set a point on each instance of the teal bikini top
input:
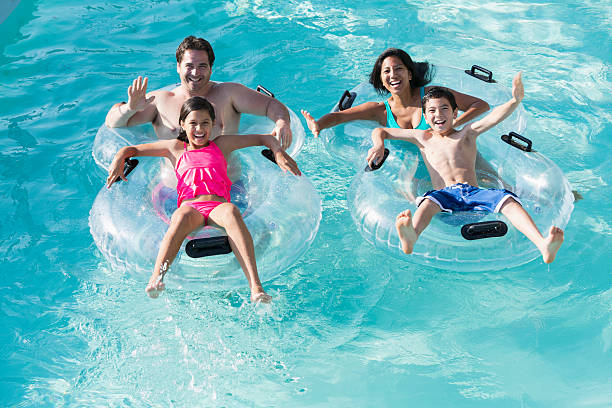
(392, 123)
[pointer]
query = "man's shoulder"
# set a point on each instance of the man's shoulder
(164, 93)
(230, 87)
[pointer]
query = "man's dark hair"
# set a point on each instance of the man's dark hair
(437, 92)
(194, 43)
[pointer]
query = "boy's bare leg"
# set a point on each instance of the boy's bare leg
(517, 215)
(228, 216)
(184, 220)
(410, 227)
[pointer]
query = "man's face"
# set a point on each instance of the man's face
(194, 70)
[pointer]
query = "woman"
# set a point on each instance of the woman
(395, 73)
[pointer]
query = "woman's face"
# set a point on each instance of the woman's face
(198, 126)
(394, 75)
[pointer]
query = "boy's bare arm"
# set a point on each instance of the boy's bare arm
(376, 153)
(501, 112)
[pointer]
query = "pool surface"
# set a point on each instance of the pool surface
(349, 326)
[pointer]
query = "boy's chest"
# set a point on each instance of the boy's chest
(448, 148)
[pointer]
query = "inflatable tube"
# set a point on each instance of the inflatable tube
(376, 197)
(128, 221)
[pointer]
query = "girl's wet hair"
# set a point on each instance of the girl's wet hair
(195, 103)
(421, 71)
(437, 92)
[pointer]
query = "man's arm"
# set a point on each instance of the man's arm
(501, 112)
(138, 110)
(245, 100)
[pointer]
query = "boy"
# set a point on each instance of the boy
(450, 157)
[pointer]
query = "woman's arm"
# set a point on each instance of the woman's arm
(366, 111)
(162, 148)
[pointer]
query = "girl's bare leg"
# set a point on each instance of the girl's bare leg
(184, 220)
(409, 228)
(517, 215)
(228, 216)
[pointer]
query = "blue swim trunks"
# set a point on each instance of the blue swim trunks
(464, 197)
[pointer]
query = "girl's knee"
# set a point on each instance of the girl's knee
(184, 215)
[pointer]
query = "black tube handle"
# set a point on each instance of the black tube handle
(267, 153)
(200, 247)
(130, 164)
(508, 139)
(346, 100)
(488, 77)
(485, 229)
(377, 166)
(264, 91)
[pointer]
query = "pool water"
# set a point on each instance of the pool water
(349, 325)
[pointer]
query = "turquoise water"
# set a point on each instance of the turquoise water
(350, 325)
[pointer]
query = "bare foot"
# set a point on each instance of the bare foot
(155, 286)
(259, 296)
(551, 244)
(405, 230)
(311, 122)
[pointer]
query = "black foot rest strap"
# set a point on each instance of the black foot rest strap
(486, 229)
(198, 248)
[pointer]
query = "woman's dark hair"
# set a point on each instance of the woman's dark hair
(421, 71)
(437, 92)
(195, 103)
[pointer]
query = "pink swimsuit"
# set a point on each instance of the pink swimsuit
(202, 171)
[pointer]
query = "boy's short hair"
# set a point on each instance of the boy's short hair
(195, 43)
(438, 92)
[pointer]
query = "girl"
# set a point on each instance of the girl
(395, 73)
(203, 188)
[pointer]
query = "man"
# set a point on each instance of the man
(194, 61)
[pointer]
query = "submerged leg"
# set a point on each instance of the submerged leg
(228, 216)
(184, 220)
(409, 228)
(549, 245)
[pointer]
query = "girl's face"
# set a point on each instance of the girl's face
(198, 126)
(394, 75)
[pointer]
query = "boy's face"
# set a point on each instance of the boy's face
(440, 115)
